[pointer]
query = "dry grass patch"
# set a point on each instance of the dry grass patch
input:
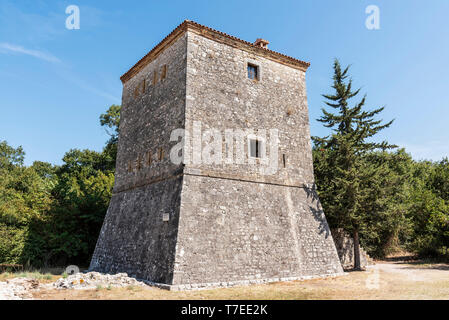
(397, 280)
(37, 275)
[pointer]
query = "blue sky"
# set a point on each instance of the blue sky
(56, 82)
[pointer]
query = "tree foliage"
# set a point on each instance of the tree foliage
(386, 198)
(353, 185)
(52, 215)
(111, 121)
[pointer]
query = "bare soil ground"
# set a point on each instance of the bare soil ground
(384, 280)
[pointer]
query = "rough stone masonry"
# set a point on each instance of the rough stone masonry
(200, 224)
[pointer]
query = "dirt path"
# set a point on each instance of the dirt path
(384, 280)
(414, 272)
(404, 280)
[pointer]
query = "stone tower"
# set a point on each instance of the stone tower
(249, 216)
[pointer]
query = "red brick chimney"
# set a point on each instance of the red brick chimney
(261, 43)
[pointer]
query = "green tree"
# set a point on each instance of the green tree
(439, 179)
(82, 195)
(386, 224)
(9, 156)
(111, 121)
(25, 198)
(50, 215)
(428, 209)
(348, 196)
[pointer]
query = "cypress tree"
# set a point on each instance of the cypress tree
(347, 186)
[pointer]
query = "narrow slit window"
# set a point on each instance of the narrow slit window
(138, 163)
(283, 159)
(253, 72)
(154, 78)
(143, 86)
(161, 154)
(255, 148)
(149, 158)
(164, 72)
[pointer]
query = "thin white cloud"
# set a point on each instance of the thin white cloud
(86, 86)
(7, 47)
(67, 75)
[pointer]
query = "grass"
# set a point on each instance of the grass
(43, 277)
(45, 274)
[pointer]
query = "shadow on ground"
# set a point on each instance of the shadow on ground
(425, 265)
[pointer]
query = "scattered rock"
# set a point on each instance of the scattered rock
(93, 280)
(22, 288)
(18, 288)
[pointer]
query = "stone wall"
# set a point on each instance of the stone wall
(134, 238)
(232, 230)
(345, 248)
(150, 112)
(235, 223)
(220, 95)
(181, 225)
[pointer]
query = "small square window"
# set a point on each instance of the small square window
(253, 72)
(255, 147)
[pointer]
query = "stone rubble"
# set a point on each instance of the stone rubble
(18, 288)
(93, 280)
(21, 288)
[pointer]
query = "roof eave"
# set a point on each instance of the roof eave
(217, 36)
